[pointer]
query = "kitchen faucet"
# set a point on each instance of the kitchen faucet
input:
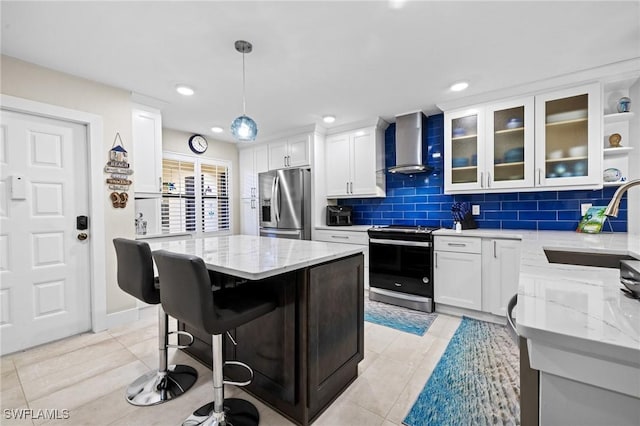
(614, 204)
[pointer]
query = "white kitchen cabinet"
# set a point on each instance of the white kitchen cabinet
(355, 164)
(476, 273)
(457, 272)
(343, 235)
(249, 216)
(547, 141)
(490, 147)
(501, 271)
(252, 161)
(464, 145)
(568, 135)
(509, 156)
(291, 152)
(147, 151)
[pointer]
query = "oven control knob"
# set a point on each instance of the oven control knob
(425, 280)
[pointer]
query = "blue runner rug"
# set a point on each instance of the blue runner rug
(476, 382)
(403, 319)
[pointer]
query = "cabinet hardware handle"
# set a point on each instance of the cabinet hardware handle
(457, 244)
(347, 187)
(160, 183)
(288, 160)
(253, 205)
(344, 237)
(494, 249)
(488, 179)
(481, 179)
(539, 173)
(436, 259)
(352, 187)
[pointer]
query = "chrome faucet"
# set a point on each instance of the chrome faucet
(614, 204)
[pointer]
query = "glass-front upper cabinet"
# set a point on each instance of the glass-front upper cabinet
(464, 149)
(568, 132)
(509, 161)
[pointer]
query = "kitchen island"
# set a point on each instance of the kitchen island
(306, 352)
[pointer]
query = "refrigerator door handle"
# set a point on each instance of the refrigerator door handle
(276, 197)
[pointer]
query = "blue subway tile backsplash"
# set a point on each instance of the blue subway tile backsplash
(420, 200)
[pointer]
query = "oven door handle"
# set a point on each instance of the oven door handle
(400, 242)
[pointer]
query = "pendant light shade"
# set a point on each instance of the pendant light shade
(244, 128)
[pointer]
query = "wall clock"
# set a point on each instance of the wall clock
(198, 144)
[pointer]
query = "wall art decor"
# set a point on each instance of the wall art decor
(119, 173)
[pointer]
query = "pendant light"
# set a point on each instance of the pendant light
(244, 128)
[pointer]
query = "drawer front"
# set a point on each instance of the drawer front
(458, 244)
(348, 237)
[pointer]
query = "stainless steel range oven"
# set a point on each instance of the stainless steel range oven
(400, 266)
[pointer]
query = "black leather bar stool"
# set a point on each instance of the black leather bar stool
(186, 294)
(135, 276)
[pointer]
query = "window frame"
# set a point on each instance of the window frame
(197, 167)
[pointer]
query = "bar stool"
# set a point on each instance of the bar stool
(185, 293)
(135, 276)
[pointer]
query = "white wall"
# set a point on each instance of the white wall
(176, 141)
(29, 81)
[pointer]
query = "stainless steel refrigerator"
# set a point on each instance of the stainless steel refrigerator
(285, 203)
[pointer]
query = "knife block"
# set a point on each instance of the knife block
(468, 222)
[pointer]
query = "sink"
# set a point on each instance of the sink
(602, 260)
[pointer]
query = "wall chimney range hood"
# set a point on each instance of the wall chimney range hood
(409, 144)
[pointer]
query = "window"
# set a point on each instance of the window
(195, 205)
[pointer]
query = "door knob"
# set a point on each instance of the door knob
(82, 236)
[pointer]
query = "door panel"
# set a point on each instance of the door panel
(44, 268)
(338, 155)
(266, 188)
(363, 163)
(299, 151)
(289, 199)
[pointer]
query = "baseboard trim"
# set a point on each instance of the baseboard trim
(122, 317)
(459, 312)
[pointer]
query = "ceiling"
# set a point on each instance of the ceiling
(356, 60)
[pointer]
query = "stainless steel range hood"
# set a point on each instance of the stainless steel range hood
(409, 144)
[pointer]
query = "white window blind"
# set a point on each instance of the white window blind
(194, 205)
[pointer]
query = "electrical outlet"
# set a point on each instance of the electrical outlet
(475, 209)
(584, 207)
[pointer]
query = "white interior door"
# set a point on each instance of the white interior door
(44, 267)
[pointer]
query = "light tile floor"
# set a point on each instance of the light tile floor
(87, 375)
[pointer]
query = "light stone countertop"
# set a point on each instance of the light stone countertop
(253, 258)
(580, 308)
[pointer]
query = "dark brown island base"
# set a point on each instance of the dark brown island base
(306, 352)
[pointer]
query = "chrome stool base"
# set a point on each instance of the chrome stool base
(237, 412)
(155, 387)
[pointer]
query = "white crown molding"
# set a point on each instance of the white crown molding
(603, 74)
(374, 122)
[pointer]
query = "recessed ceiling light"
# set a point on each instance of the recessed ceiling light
(460, 86)
(184, 90)
(396, 4)
(217, 129)
(329, 119)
